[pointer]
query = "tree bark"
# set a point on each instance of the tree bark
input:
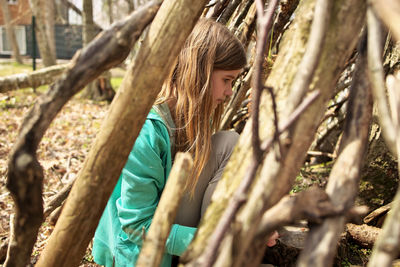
(103, 164)
(12, 40)
(276, 177)
(25, 174)
(40, 10)
(94, 90)
(50, 24)
(110, 11)
(34, 79)
(364, 235)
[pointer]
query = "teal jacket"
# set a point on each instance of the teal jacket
(132, 205)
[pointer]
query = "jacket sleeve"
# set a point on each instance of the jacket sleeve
(142, 181)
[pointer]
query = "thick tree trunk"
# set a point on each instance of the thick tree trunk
(50, 24)
(100, 89)
(110, 11)
(34, 79)
(12, 40)
(47, 53)
(276, 177)
(127, 113)
(89, 31)
(24, 171)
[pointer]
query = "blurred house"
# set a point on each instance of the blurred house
(68, 37)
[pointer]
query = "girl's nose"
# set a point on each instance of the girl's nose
(229, 91)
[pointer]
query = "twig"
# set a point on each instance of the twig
(264, 26)
(58, 199)
(293, 117)
(67, 170)
(320, 153)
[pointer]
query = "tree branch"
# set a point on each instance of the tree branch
(376, 77)
(264, 26)
(153, 248)
(34, 79)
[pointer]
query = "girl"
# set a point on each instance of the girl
(185, 116)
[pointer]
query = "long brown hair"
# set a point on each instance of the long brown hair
(210, 46)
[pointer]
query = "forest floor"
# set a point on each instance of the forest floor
(61, 151)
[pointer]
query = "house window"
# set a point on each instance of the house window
(21, 40)
(12, 2)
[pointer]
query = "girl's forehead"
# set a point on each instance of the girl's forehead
(228, 73)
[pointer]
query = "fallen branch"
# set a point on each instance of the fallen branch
(154, 244)
(378, 213)
(58, 199)
(25, 174)
(364, 234)
(34, 79)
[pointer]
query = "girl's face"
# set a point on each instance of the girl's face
(221, 84)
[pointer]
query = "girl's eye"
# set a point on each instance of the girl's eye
(226, 80)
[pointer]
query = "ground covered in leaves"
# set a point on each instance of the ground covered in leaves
(61, 152)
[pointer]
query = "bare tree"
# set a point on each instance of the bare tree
(12, 40)
(99, 89)
(44, 34)
(110, 11)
